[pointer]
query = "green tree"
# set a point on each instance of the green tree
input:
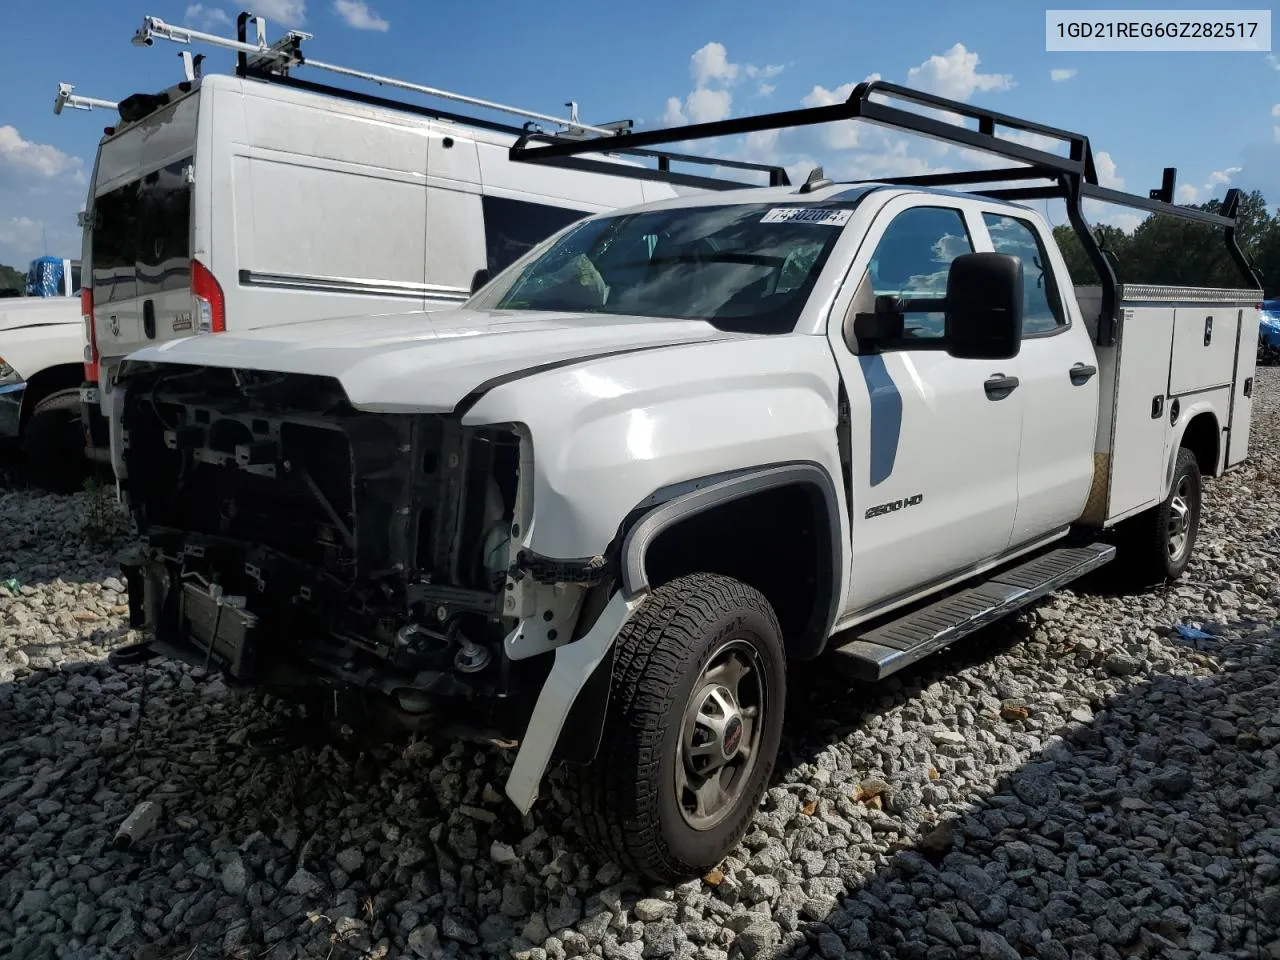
(11, 279)
(1167, 250)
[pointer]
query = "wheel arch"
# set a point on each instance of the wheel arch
(1201, 433)
(45, 382)
(694, 499)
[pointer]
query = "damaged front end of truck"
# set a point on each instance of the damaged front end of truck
(367, 565)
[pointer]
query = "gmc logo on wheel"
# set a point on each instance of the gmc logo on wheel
(893, 506)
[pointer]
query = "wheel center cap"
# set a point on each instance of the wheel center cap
(732, 737)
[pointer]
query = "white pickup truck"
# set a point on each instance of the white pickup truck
(601, 507)
(41, 363)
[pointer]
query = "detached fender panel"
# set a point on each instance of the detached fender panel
(573, 668)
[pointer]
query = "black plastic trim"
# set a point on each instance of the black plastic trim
(1082, 373)
(583, 727)
(724, 488)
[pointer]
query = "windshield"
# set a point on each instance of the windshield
(746, 267)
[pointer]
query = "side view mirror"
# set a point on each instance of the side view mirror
(984, 307)
(479, 279)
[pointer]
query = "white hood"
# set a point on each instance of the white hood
(428, 361)
(19, 312)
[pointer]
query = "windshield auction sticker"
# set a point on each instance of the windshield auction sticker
(816, 215)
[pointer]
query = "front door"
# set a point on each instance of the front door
(934, 482)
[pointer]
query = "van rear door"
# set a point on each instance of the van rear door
(143, 272)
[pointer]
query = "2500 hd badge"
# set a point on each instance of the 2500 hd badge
(893, 506)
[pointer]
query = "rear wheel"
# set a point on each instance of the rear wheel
(692, 730)
(1158, 544)
(53, 443)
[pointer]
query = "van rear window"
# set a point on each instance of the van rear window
(142, 236)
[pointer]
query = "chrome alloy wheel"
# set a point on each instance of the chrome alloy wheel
(1179, 528)
(720, 735)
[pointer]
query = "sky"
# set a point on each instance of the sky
(1214, 116)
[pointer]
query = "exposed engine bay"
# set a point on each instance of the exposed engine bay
(295, 542)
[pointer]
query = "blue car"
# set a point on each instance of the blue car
(1269, 333)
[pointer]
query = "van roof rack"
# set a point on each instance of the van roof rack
(1072, 178)
(66, 98)
(260, 60)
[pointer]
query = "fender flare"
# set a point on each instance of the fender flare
(579, 739)
(678, 503)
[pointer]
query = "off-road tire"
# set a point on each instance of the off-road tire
(626, 797)
(1144, 556)
(53, 444)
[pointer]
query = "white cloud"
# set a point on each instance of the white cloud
(1274, 61)
(701, 106)
(207, 18)
(843, 134)
(713, 74)
(1223, 176)
(38, 159)
(1062, 74)
(290, 13)
(1107, 171)
(1189, 193)
(20, 231)
(707, 106)
(673, 113)
(1128, 222)
(711, 63)
(1275, 111)
(954, 74)
(359, 16)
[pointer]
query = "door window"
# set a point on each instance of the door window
(912, 260)
(1041, 305)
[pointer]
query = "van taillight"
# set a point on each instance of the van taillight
(211, 309)
(90, 336)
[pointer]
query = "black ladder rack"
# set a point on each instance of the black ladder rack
(1072, 178)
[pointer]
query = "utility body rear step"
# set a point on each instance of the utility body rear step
(888, 648)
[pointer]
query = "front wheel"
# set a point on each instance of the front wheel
(1158, 544)
(692, 730)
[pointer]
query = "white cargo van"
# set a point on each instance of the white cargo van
(237, 202)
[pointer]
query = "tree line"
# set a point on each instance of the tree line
(1165, 250)
(11, 279)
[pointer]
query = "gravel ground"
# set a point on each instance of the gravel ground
(1081, 782)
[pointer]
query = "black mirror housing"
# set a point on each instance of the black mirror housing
(984, 307)
(479, 279)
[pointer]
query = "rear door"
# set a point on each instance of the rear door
(142, 232)
(1059, 385)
